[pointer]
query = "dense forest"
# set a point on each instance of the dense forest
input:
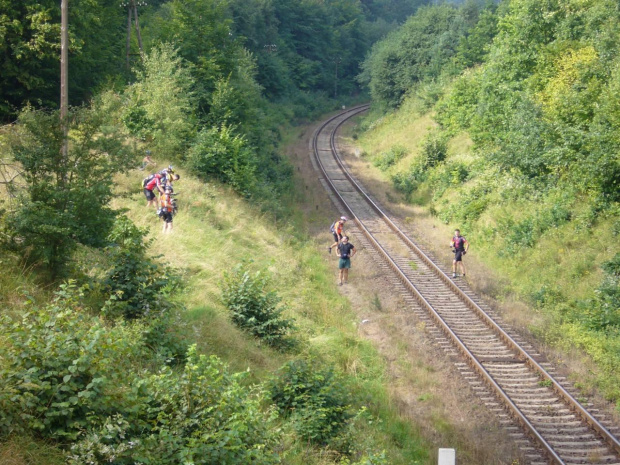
(522, 152)
(107, 351)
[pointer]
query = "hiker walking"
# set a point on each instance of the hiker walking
(345, 251)
(166, 207)
(459, 247)
(337, 229)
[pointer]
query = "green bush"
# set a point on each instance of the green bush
(387, 159)
(222, 154)
(160, 105)
(69, 376)
(434, 148)
(202, 415)
(63, 369)
(603, 312)
(64, 200)
(314, 397)
(136, 286)
(254, 309)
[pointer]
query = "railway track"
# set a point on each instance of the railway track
(556, 428)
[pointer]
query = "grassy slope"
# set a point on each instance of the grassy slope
(564, 262)
(214, 230)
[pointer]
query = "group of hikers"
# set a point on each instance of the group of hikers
(346, 250)
(160, 183)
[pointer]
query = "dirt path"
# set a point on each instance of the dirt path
(424, 385)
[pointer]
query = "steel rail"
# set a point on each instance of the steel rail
(464, 297)
(569, 399)
(424, 302)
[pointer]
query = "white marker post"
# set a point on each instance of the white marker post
(447, 457)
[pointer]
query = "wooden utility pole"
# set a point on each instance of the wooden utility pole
(132, 9)
(135, 12)
(64, 75)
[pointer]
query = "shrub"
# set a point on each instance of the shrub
(254, 309)
(64, 200)
(603, 313)
(136, 285)
(63, 369)
(390, 158)
(203, 415)
(160, 105)
(224, 155)
(314, 397)
(68, 376)
(434, 149)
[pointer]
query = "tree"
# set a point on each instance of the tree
(161, 107)
(30, 46)
(65, 199)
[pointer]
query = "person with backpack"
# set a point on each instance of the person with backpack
(337, 229)
(165, 209)
(151, 182)
(459, 247)
(346, 250)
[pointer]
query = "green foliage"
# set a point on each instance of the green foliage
(387, 159)
(69, 376)
(136, 285)
(160, 105)
(224, 155)
(475, 45)
(314, 397)
(65, 199)
(30, 46)
(62, 369)
(202, 415)
(603, 313)
(434, 149)
(416, 53)
(254, 309)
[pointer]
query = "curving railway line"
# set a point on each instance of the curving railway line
(555, 427)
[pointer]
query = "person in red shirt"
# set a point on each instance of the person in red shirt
(154, 181)
(337, 230)
(460, 246)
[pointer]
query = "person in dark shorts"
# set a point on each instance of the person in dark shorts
(459, 246)
(337, 229)
(345, 251)
(166, 208)
(149, 184)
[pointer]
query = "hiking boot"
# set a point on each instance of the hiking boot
(454, 275)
